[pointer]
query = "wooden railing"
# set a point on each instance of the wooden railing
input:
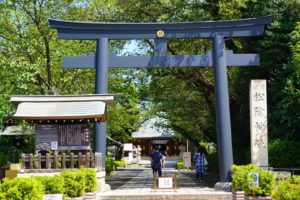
(58, 162)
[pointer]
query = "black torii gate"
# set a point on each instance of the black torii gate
(219, 58)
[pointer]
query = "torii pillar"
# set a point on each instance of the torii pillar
(101, 87)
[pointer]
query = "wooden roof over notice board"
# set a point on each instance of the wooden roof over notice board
(106, 98)
(64, 107)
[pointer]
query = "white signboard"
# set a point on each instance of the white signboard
(165, 183)
(128, 147)
(259, 123)
(54, 145)
(187, 159)
(53, 197)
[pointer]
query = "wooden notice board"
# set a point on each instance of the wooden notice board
(62, 137)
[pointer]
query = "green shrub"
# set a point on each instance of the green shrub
(70, 183)
(266, 183)
(90, 180)
(109, 165)
(241, 180)
(179, 165)
(120, 163)
(239, 176)
(21, 189)
(2, 196)
(3, 158)
(74, 183)
(212, 162)
(52, 185)
(288, 189)
(282, 153)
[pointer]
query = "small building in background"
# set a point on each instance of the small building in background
(152, 133)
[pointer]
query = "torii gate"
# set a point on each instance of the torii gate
(219, 58)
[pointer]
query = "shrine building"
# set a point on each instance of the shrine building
(150, 134)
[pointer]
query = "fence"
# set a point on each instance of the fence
(56, 162)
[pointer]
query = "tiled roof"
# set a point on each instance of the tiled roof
(151, 129)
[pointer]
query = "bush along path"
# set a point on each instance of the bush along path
(69, 183)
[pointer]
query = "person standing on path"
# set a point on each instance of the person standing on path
(156, 159)
(199, 160)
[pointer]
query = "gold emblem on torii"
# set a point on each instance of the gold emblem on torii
(160, 33)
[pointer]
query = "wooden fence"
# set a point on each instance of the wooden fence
(56, 162)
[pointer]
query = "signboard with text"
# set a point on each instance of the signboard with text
(165, 182)
(62, 137)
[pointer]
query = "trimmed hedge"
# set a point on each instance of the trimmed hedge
(51, 185)
(288, 189)
(266, 184)
(239, 176)
(74, 183)
(241, 180)
(21, 189)
(69, 183)
(90, 180)
(120, 163)
(179, 165)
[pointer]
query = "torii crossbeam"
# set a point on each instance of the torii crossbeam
(219, 58)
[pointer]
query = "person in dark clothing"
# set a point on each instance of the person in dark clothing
(156, 159)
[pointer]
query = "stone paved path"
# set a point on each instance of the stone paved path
(137, 184)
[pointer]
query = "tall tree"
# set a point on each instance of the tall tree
(31, 58)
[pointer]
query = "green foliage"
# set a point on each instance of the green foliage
(119, 163)
(124, 114)
(12, 148)
(70, 183)
(282, 153)
(3, 158)
(37, 57)
(52, 185)
(266, 183)
(239, 176)
(21, 189)
(179, 165)
(90, 180)
(74, 183)
(212, 162)
(109, 165)
(288, 189)
(241, 180)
